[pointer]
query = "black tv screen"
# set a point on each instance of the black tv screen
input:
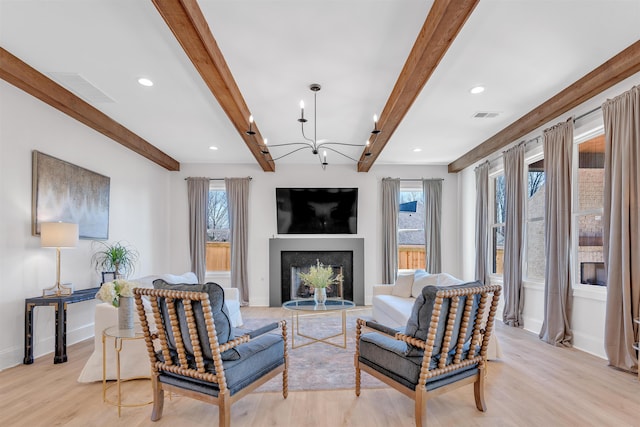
(317, 210)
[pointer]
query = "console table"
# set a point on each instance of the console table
(59, 302)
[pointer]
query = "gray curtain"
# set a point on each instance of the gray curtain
(558, 149)
(622, 226)
(237, 190)
(390, 212)
(514, 173)
(482, 223)
(198, 197)
(432, 191)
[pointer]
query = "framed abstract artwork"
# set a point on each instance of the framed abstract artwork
(65, 192)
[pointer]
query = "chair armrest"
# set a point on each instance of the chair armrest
(231, 294)
(264, 329)
(379, 327)
(384, 289)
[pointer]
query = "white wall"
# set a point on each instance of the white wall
(262, 213)
(138, 214)
(587, 320)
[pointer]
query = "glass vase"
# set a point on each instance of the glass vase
(320, 296)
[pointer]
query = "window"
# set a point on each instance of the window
(497, 227)
(588, 210)
(411, 244)
(218, 253)
(535, 259)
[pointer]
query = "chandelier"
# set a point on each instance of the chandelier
(312, 143)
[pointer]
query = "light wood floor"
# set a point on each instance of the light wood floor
(534, 385)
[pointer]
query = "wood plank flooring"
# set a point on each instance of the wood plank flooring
(534, 385)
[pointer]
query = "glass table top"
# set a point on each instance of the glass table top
(310, 305)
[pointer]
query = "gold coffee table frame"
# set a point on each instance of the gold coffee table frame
(307, 307)
(119, 337)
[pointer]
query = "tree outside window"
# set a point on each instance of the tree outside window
(218, 250)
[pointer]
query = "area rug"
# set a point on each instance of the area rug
(320, 366)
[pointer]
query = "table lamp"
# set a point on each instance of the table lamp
(58, 235)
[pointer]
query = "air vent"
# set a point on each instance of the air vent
(485, 115)
(81, 87)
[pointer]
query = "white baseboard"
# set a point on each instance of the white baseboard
(14, 356)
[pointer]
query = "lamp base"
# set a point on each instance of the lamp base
(58, 290)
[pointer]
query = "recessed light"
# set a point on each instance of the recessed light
(417, 150)
(145, 82)
(476, 90)
(213, 147)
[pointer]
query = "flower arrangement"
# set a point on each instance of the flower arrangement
(111, 292)
(319, 276)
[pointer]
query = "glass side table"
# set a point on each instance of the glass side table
(307, 307)
(119, 336)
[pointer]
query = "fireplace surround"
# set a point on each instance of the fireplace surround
(314, 246)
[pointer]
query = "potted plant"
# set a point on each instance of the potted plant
(319, 277)
(117, 257)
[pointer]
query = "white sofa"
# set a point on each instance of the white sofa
(134, 358)
(392, 304)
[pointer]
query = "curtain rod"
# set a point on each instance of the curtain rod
(581, 116)
(216, 179)
(422, 179)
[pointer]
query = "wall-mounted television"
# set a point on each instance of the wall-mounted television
(317, 210)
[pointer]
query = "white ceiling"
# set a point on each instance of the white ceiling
(522, 51)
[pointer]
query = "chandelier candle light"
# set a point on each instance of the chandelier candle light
(312, 143)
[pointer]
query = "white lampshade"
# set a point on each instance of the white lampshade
(58, 235)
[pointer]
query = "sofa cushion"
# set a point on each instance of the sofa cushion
(403, 285)
(393, 307)
(219, 312)
(420, 280)
(420, 319)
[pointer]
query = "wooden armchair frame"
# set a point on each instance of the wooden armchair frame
(179, 364)
(482, 329)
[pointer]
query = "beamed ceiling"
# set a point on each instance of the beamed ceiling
(215, 62)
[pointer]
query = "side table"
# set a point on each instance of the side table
(59, 302)
(119, 337)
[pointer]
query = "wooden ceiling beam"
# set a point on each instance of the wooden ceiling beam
(189, 26)
(443, 23)
(616, 69)
(30, 80)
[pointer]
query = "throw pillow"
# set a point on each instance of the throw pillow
(403, 285)
(218, 311)
(420, 280)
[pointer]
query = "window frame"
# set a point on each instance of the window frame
(592, 132)
(216, 185)
(413, 187)
(494, 173)
(533, 155)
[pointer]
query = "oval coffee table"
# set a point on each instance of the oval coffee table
(307, 307)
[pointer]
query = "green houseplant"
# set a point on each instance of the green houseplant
(319, 277)
(118, 257)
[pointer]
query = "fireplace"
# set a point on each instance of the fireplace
(294, 262)
(289, 256)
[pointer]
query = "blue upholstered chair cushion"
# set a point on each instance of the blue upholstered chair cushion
(218, 311)
(256, 358)
(420, 319)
